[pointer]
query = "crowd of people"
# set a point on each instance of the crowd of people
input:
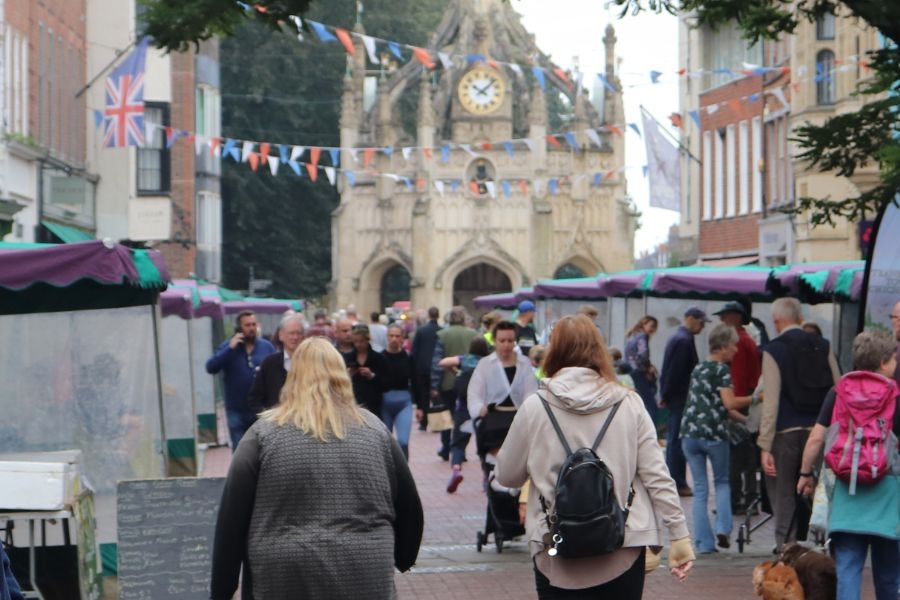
(340, 389)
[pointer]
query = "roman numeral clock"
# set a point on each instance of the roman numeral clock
(481, 91)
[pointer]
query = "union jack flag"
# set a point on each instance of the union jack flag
(123, 113)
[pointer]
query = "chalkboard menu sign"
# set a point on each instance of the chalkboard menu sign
(165, 532)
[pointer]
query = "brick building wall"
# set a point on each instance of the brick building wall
(725, 232)
(181, 251)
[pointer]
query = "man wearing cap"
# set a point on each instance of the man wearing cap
(679, 361)
(745, 370)
(526, 337)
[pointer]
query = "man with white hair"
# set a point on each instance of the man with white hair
(798, 369)
(272, 373)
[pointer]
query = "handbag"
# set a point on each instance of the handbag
(821, 504)
(491, 430)
(440, 420)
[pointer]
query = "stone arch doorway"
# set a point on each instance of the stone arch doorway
(477, 280)
(394, 286)
(569, 271)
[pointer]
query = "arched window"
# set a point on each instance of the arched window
(825, 27)
(568, 271)
(394, 286)
(825, 78)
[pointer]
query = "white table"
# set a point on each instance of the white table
(33, 516)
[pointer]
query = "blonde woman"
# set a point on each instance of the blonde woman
(319, 501)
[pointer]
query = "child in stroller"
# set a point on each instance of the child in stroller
(502, 515)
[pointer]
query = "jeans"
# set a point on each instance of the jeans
(717, 451)
(459, 439)
(238, 424)
(627, 586)
(397, 413)
(850, 551)
(674, 454)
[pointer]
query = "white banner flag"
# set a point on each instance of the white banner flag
(663, 167)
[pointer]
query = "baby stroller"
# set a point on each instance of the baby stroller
(502, 515)
(758, 506)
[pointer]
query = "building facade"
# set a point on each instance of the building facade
(483, 197)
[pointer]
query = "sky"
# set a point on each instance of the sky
(568, 28)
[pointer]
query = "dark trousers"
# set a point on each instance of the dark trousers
(791, 515)
(459, 439)
(448, 399)
(627, 586)
(744, 465)
(646, 389)
(674, 455)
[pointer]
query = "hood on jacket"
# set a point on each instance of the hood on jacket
(866, 392)
(582, 390)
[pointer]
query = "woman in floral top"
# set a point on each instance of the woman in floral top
(704, 436)
(637, 354)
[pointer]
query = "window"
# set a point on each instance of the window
(209, 236)
(719, 139)
(153, 158)
(744, 167)
(730, 171)
(17, 83)
(757, 157)
(825, 27)
(825, 85)
(707, 175)
(208, 103)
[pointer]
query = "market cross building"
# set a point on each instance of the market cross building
(487, 195)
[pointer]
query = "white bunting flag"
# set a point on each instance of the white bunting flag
(516, 69)
(199, 142)
(712, 109)
(330, 173)
(594, 137)
(246, 149)
(369, 43)
(530, 143)
(274, 161)
(297, 152)
(439, 186)
(446, 62)
(491, 188)
(407, 152)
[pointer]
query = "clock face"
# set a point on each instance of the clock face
(481, 91)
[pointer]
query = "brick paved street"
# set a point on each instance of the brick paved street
(449, 567)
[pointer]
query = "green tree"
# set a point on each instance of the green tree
(843, 143)
(280, 90)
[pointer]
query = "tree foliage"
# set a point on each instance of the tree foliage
(846, 142)
(284, 91)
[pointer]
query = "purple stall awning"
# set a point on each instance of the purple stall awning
(580, 288)
(711, 281)
(263, 307)
(177, 302)
(506, 300)
(620, 284)
(786, 281)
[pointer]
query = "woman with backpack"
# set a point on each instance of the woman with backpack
(582, 395)
(865, 508)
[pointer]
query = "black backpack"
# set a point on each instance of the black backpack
(809, 378)
(586, 519)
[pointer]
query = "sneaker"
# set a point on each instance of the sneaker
(444, 454)
(685, 491)
(455, 479)
(722, 541)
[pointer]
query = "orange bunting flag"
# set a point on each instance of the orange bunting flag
(562, 75)
(474, 187)
(785, 70)
(735, 105)
(213, 144)
(344, 36)
(486, 145)
(615, 130)
(314, 154)
(264, 151)
(609, 174)
(368, 154)
(493, 64)
(261, 8)
(424, 57)
(796, 86)
(553, 141)
(675, 118)
(682, 71)
(426, 152)
(420, 184)
(523, 185)
(312, 170)
(253, 158)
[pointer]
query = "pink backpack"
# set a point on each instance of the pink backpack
(860, 446)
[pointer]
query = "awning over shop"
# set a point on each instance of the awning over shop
(67, 234)
(732, 261)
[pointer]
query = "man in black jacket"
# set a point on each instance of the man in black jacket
(272, 372)
(421, 353)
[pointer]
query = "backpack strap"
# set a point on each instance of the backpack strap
(605, 426)
(555, 423)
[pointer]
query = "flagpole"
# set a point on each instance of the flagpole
(103, 71)
(662, 128)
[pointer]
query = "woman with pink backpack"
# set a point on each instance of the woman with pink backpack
(858, 428)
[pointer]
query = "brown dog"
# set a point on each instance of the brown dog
(815, 571)
(777, 581)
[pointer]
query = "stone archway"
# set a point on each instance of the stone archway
(477, 280)
(569, 271)
(394, 286)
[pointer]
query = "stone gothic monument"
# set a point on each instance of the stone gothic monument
(478, 199)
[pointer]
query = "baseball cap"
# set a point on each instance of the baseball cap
(732, 307)
(526, 306)
(697, 313)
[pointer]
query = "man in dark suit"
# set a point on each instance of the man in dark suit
(272, 372)
(422, 351)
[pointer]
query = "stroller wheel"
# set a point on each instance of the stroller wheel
(742, 537)
(498, 540)
(480, 540)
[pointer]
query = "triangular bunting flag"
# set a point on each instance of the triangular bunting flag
(394, 47)
(264, 152)
(553, 141)
(562, 75)
(387, 151)
(506, 188)
(423, 56)
(615, 129)
(468, 149)
(539, 75)
(199, 142)
(454, 185)
(351, 178)
(445, 59)
(439, 186)
(214, 146)
(330, 173)
(312, 170)
(598, 179)
(594, 137)
(344, 36)
(408, 182)
(486, 145)
(406, 152)
(283, 152)
(445, 154)
(426, 152)
(654, 76)
(523, 185)
(553, 186)
(516, 69)
(314, 154)
(297, 152)
(333, 152)
(491, 188)
(369, 43)
(635, 128)
(695, 115)
(273, 165)
(231, 150)
(295, 167)
(570, 138)
(474, 187)
(253, 159)
(530, 143)
(368, 155)
(509, 148)
(170, 137)
(322, 32)
(246, 150)
(606, 82)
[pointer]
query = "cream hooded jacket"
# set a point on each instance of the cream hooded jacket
(580, 400)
